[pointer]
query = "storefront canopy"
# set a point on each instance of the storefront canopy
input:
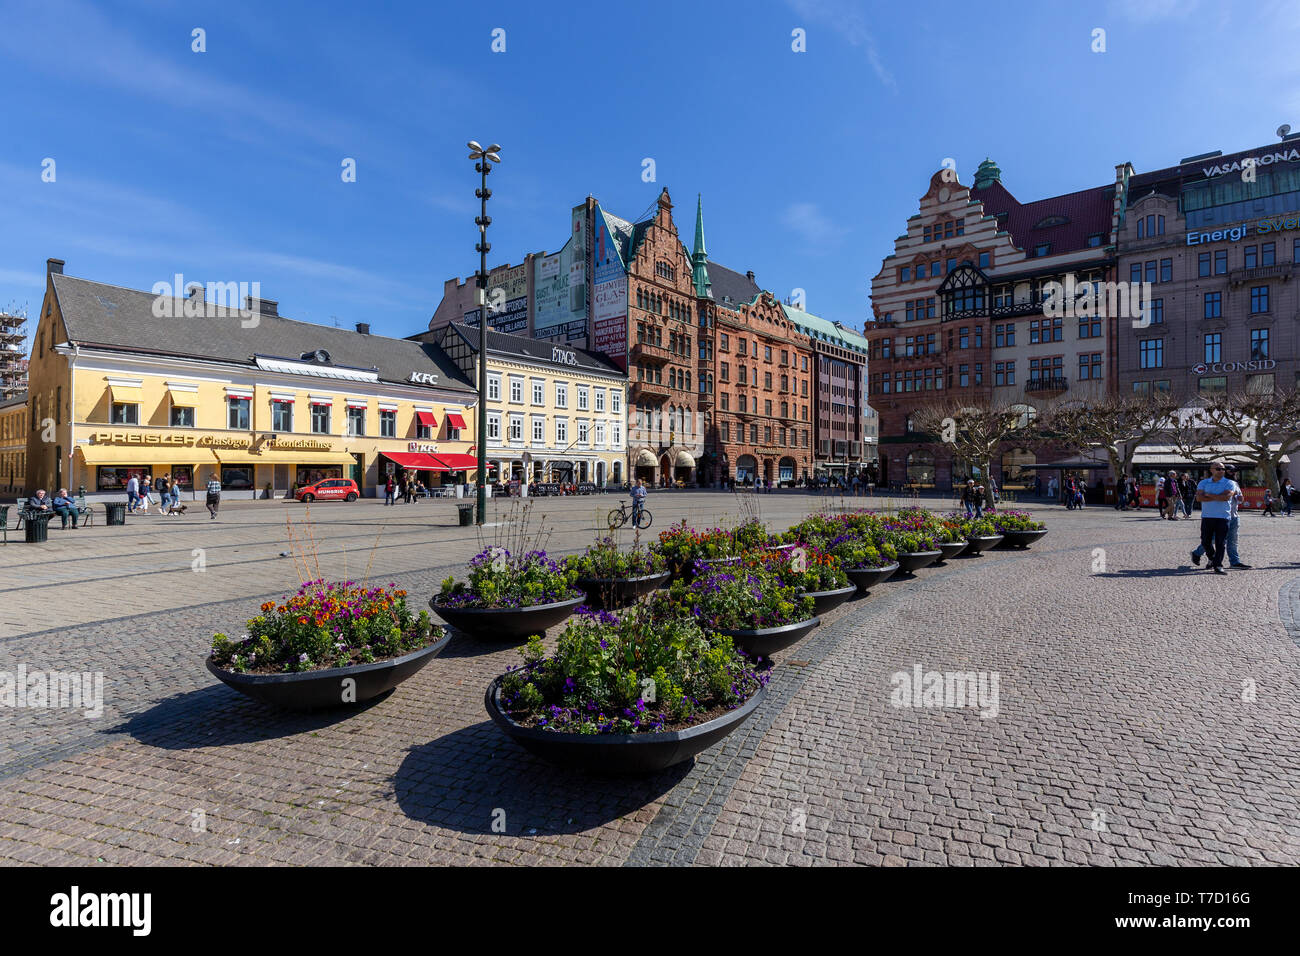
(427, 419)
(145, 454)
(416, 462)
(458, 462)
(455, 421)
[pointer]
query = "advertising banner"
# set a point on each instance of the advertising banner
(608, 296)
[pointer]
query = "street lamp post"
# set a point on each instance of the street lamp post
(483, 158)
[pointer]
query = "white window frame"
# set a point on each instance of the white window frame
(516, 384)
(600, 399)
(584, 398)
(539, 429)
(539, 391)
(494, 426)
(494, 386)
(290, 405)
(388, 415)
(618, 436)
(124, 405)
(584, 432)
(615, 400)
(600, 434)
(561, 394)
(562, 432)
(516, 425)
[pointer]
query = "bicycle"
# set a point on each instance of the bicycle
(621, 515)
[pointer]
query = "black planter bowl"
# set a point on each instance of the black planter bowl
(983, 542)
(766, 641)
(1020, 539)
(867, 578)
(620, 592)
(317, 690)
(909, 561)
(618, 753)
(506, 623)
(951, 549)
(824, 601)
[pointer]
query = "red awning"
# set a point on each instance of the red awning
(456, 462)
(455, 421)
(418, 462)
(426, 418)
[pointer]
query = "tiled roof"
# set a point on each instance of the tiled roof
(1088, 212)
(825, 330)
(113, 317)
(531, 348)
(730, 287)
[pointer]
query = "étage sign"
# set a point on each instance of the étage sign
(564, 356)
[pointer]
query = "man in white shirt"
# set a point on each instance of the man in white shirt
(132, 492)
(1216, 495)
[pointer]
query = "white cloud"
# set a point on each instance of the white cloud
(850, 22)
(808, 221)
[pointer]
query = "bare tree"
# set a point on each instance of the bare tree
(973, 428)
(1267, 424)
(1115, 424)
(1195, 437)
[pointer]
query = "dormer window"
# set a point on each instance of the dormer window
(1052, 221)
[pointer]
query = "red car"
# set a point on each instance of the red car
(329, 489)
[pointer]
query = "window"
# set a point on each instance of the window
(1221, 262)
(1258, 344)
(387, 423)
(740, 346)
(1258, 299)
(1090, 328)
(767, 380)
(1213, 384)
(583, 398)
(804, 367)
(1151, 272)
(617, 435)
(1095, 239)
(1213, 347)
(1135, 273)
(1042, 248)
(1155, 312)
(726, 431)
(963, 375)
(1004, 373)
(963, 338)
(743, 403)
(984, 260)
(905, 274)
(767, 353)
(1259, 384)
(237, 412)
(422, 431)
(726, 401)
(1151, 353)
(320, 419)
(494, 387)
(600, 399)
(753, 434)
(722, 342)
(356, 421)
(1141, 388)
(281, 416)
(516, 427)
(1090, 366)
(1203, 265)
(1004, 335)
(494, 426)
(979, 373)
(1166, 270)
(1213, 305)
(767, 408)
(539, 392)
(615, 400)
(1252, 256)
(516, 390)
(726, 371)
(561, 395)
(182, 416)
(539, 430)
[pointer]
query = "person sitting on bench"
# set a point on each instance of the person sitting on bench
(65, 508)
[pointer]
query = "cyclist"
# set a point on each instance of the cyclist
(638, 501)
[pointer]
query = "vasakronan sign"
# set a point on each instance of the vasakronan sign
(1264, 159)
(1255, 365)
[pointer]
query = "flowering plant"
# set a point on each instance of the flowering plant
(626, 674)
(744, 599)
(1005, 521)
(498, 579)
(808, 569)
(910, 541)
(981, 528)
(856, 553)
(604, 560)
(682, 546)
(326, 625)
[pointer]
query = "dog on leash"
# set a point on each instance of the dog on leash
(177, 510)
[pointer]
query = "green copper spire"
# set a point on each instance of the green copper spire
(699, 257)
(987, 174)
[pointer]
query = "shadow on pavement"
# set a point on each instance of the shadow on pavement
(1154, 572)
(218, 717)
(461, 780)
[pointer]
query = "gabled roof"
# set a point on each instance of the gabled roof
(109, 316)
(530, 349)
(730, 287)
(827, 331)
(1087, 213)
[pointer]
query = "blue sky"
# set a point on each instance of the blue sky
(225, 165)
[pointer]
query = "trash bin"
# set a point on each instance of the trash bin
(466, 515)
(38, 527)
(115, 512)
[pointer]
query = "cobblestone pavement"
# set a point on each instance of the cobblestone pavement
(1147, 713)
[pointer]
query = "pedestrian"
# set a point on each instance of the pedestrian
(176, 498)
(1162, 496)
(132, 492)
(164, 494)
(65, 508)
(638, 501)
(968, 498)
(146, 496)
(1270, 504)
(979, 501)
(1215, 495)
(1188, 489)
(1288, 490)
(1177, 498)
(214, 494)
(408, 490)
(390, 490)
(993, 493)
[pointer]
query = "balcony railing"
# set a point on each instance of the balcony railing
(1016, 308)
(1052, 384)
(1278, 270)
(650, 352)
(650, 391)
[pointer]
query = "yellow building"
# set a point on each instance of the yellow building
(554, 414)
(13, 444)
(128, 383)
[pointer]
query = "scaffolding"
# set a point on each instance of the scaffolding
(13, 352)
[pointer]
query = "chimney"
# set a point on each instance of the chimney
(363, 328)
(261, 306)
(195, 292)
(54, 267)
(750, 275)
